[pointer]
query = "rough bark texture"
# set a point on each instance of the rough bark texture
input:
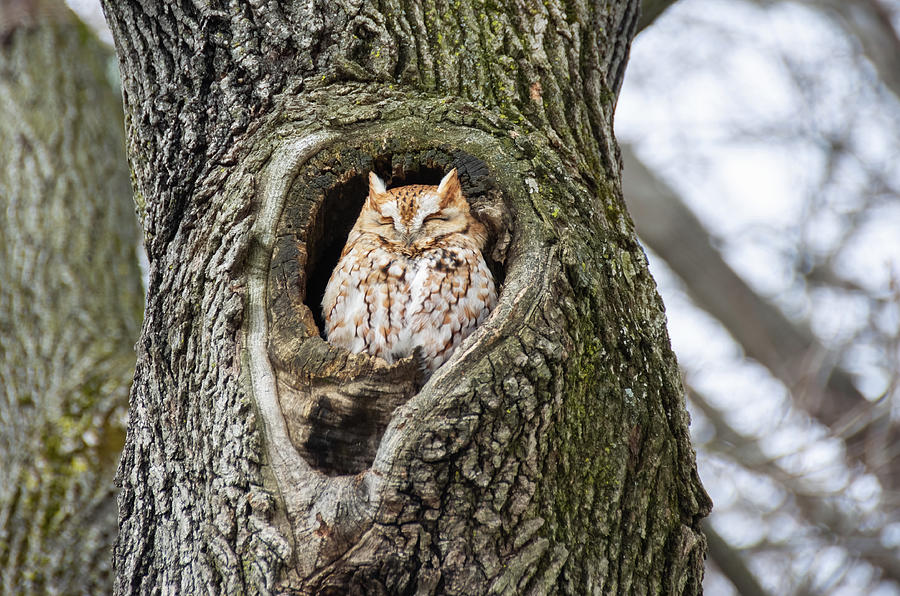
(70, 303)
(549, 455)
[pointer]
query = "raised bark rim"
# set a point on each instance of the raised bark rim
(317, 505)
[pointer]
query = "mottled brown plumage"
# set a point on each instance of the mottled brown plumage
(411, 275)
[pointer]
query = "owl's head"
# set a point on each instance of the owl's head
(415, 216)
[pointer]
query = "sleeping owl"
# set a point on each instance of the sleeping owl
(411, 276)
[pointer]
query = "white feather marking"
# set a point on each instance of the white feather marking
(389, 209)
(445, 180)
(376, 184)
(428, 205)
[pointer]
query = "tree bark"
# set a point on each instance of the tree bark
(549, 455)
(70, 302)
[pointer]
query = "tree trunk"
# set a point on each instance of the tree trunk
(549, 455)
(70, 302)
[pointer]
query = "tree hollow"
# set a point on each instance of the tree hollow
(337, 405)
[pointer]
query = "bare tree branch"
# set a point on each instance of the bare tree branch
(26, 14)
(70, 302)
(788, 349)
(812, 506)
(869, 22)
(731, 564)
(650, 11)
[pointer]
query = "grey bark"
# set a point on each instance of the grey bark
(789, 350)
(550, 455)
(70, 302)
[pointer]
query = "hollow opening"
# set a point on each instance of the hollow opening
(336, 409)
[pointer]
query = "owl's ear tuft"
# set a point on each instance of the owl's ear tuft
(376, 185)
(449, 190)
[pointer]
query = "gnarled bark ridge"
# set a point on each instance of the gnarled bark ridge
(549, 455)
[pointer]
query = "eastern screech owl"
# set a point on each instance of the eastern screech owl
(411, 275)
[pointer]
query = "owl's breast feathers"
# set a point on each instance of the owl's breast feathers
(388, 300)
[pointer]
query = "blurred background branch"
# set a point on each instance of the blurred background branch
(869, 23)
(787, 348)
(771, 129)
(70, 301)
(651, 10)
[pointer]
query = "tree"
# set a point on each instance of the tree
(70, 302)
(549, 455)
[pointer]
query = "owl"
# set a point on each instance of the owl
(411, 277)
